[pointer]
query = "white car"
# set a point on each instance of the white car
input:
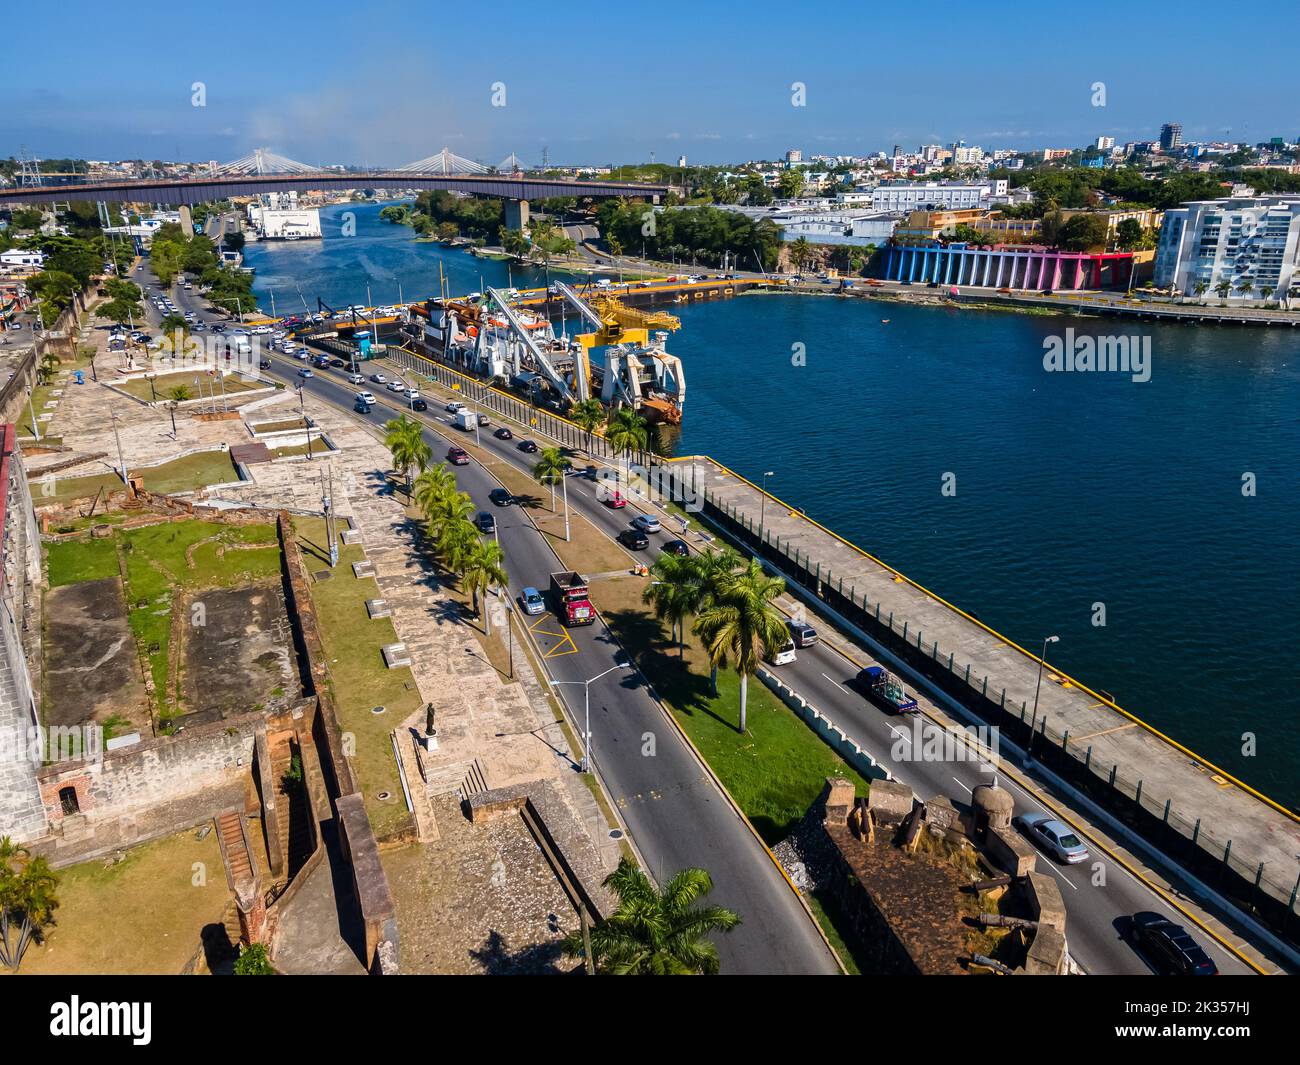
(455, 406)
(378, 378)
(397, 386)
(647, 523)
(366, 397)
(302, 354)
(784, 655)
(356, 379)
(412, 394)
(262, 330)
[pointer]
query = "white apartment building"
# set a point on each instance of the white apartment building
(904, 198)
(1250, 242)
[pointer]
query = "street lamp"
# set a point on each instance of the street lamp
(1034, 719)
(586, 696)
(762, 504)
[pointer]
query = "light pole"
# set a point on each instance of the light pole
(564, 490)
(586, 697)
(1034, 720)
(762, 504)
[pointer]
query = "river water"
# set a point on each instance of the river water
(1071, 495)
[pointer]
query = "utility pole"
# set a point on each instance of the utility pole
(121, 462)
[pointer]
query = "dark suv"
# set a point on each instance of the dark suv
(634, 539)
(1170, 947)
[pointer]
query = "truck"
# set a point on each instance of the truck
(569, 592)
(883, 688)
(466, 419)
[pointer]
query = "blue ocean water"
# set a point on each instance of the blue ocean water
(1072, 489)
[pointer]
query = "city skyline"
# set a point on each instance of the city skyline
(399, 97)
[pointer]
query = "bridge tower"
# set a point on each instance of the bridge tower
(516, 214)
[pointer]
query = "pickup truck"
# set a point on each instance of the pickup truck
(569, 590)
(884, 689)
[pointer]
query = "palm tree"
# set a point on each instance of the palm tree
(1223, 288)
(171, 325)
(676, 593)
(433, 485)
(484, 568)
(550, 469)
(1244, 287)
(716, 568)
(588, 416)
(800, 252)
(27, 900)
(1200, 287)
(405, 441)
(456, 543)
(742, 625)
(448, 511)
(49, 366)
(656, 933)
(627, 432)
(179, 394)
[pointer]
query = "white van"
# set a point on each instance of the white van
(784, 655)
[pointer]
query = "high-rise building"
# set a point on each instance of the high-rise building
(794, 155)
(1249, 244)
(1104, 144)
(1171, 136)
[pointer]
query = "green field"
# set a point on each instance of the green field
(70, 561)
(161, 385)
(180, 475)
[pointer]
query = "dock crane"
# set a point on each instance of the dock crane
(541, 358)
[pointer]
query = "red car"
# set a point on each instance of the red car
(614, 500)
(457, 456)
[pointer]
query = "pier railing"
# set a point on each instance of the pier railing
(1176, 832)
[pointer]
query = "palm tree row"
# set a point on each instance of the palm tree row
(448, 513)
(733, 604)
(405, 442)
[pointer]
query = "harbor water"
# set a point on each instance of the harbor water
(1151, 525)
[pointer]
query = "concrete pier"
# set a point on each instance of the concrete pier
(1179, 801)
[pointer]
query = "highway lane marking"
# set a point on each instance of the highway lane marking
(960, 784)
(838, 685)
(1050, 865)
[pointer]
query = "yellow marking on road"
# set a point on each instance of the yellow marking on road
(1106, 731)
(566, 646)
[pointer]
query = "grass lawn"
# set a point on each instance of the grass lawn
(180, 475)
(358, 678)
(318, 447)
(162, 384)
(171, 556)
(70, 561)
(776, 769)
(141, 915)
(278, 427)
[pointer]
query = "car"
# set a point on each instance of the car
(457, 456)
(356, 379)
(614, 500)
(454, 406)
(501, 497)
(411, 394)
(264, 363)
(419, 404)
(306, 372)
(301, 354)
(803, 634)
(218, 328)
(338, 364)
(1168, 945)
(396, 386)
(634, 539)
(361, 406)
(676, 547)
(1056, 836)
(261, 330)
(320, 361)
(504, 434)
(366, 397)
(783, 655)
(483, 420)
(529, 446)
(647, 523)
(532, 602)
(378, 379)
(486, 522)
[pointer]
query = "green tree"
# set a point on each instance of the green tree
(790, 184)
(1223, 288)
(171, 326)
(513, 242)
(405, 442)
(800, 252)
(180, 394)
(656, 933)
(626, 432)
(27, 901)
(48, 367)
(676, 592)
(253, 961)
(588, 415)
(742, 625)
(550, 468)
(433, 485)
(485, 568)
(716, 569)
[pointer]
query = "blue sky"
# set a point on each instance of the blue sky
(597, 83)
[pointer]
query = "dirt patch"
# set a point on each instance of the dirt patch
(92, 670)
(238, 652)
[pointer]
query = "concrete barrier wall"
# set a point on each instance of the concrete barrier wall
(830, 734)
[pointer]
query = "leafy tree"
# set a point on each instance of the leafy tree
(800, 252)
(484, 568)
(588, 415)
(48, 367)
(253, 961)
(1223, 288)
(790, 183)
(405, 441)
(513, 241)
(656, 933)
(433, 485)
(550, 468)
(742, 625)
(626, 432)
(1128, 234)
(180, 394)
(27, 901)
(676, 592)
(1084, 232)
